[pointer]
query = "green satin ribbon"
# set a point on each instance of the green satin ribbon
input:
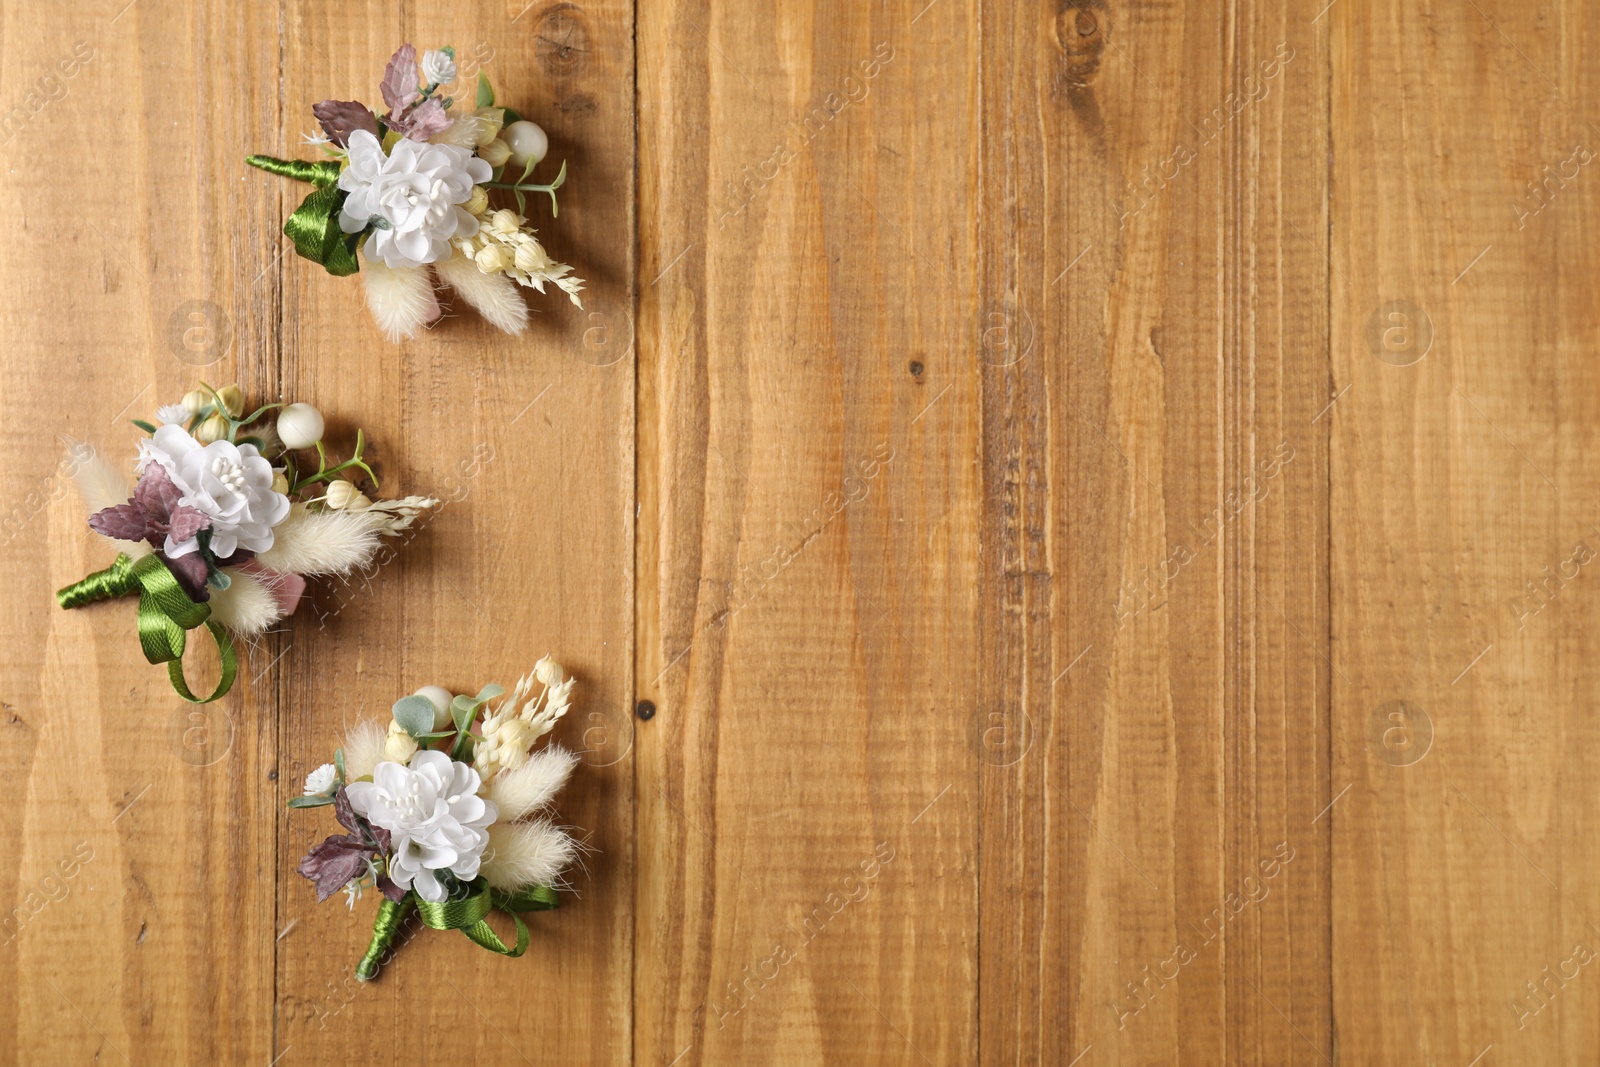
(166, 615)
(469, 915)
(314, 225)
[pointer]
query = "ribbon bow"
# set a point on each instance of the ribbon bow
(314, 225)
(166, 615)
(468, 914)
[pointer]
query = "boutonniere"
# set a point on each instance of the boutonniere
(405, 199)
(231, 512)
(446, 812)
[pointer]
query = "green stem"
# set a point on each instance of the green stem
(384, 929)
(116, 580)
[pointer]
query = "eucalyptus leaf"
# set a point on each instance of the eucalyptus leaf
(145, 426)
(415, 715)
(489, 692)
(436, 735)
(309, 802)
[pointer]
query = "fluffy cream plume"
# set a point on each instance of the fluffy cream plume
(402, 299)
(494, 295)
(528, 788)
(101, 486)
(247, 606)
(321, 542)
(524, 854)
(363, 749)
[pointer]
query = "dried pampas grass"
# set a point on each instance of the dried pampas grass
(530, 787)
(247, 606)
(363, 749)
(321, 542)
(526, 854)
(494, 295)
(402, 299)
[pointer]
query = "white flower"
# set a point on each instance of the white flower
(319, 783)
(411, 196)
(167, 414)
(232, 484)
(435, 818)
(438, 68)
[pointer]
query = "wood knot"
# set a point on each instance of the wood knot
(1080, 36)
(561, 40)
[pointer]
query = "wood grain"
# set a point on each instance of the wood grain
(1071, 520)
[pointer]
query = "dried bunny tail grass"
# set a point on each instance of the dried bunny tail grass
(101, 486)
(401, 299)
(363, 749)
(247, 606)
(530, 787)
(527, 854)
(494, 295)
(321, 542)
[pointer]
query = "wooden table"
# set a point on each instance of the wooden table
(1071, 518)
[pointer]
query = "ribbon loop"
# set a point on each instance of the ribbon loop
(166, 615)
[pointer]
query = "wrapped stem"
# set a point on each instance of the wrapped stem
(384, 929)
(116, 580)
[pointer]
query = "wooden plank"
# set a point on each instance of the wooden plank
(530, 442)
(1464, 325)
(806, 888)
(144, 842)
(1153, 596)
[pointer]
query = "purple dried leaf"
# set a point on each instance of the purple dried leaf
(156, 494)
(345, 812)
(341, 118)
(125, 522)
(423, 121)
(400, 86)
(387, 887)
(333, 863)
(186, 522)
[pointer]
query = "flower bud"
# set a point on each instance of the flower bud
(531, 257)
(232, 400)
(548, 671)
(340, 493)
(505, 221)
(215, 428)
(495, 153)
(299, 426)
(398, 746)
(493, 258)
(487, 124)
(195, 400)
(478, 202)
(527, 141)
(280, 483)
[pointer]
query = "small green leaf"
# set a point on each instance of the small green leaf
(511, 116)
(522, 203)
(338, 764)
(485, 91)
(145, 426)
(527, 169)
(259, 442)
(489, 692)
(462, 709)
(415, 715)
(437, 735)
(309, 802)
(449, 50)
